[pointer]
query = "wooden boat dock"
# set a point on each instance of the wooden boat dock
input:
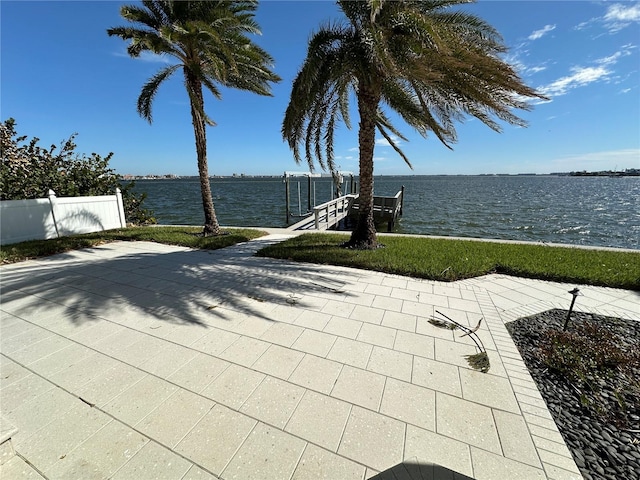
(329, 214)
(385, 209)
(326, 215)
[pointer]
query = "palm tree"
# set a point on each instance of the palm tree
(428, 63)
(209, 41)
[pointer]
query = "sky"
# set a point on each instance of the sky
(61, 74)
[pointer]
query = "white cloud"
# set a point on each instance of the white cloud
(542, 32)
(623, 13)
(524, 69)
(383, 142)
(354, 149)
(611, 59)
(617, 17)
(535, 69)
(145, 56)
(580, 77)
(515, 60)
(583, 25)
(625, 51)
(153, 58)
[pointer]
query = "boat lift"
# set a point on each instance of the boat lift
(338, 180)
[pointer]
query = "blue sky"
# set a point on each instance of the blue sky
(61, 73)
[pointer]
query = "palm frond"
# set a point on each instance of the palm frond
(479, 361)
(384, 121)
(211, 86)
(384, 133)
(148, 15)
(375, 7)
(473, 330)
(209, 39)
(149, 90)
(432, 64)
(319, 98)
(442, 324)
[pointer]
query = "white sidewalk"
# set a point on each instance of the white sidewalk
(140, 360)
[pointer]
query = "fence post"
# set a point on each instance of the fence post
(123, 220)
(52, 197)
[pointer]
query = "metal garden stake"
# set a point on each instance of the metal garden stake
(575, 293)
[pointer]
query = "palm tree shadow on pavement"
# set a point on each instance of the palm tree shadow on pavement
(166, 285)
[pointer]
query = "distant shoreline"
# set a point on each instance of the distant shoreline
(631, 172)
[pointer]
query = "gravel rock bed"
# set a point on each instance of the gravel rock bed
(603, 435)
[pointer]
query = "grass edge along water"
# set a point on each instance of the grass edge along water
(594, 211)
(457, 259)
(419, 257)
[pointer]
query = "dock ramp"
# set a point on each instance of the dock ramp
(329, 214)
(326, 215)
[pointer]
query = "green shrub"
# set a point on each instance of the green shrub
(601, 366)
(28, 171)
(587, 349)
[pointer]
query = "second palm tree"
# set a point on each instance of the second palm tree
(428, 63)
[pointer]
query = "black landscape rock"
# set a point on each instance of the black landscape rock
(595, 401)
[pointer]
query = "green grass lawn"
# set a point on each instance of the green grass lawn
(435, 259)
(185, 236)
(448, 260)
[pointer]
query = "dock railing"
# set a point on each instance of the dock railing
(330, 213)
(385, 209)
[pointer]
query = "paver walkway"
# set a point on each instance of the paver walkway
(140, 360)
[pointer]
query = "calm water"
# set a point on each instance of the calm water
(599, 211)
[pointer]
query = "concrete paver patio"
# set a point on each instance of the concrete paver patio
(140, 360)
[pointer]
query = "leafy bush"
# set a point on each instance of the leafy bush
(601, 365)
(586, 349)
(28, 170)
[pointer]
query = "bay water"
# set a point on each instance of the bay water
(597, 211)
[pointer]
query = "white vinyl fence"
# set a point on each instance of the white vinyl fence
(53, 217)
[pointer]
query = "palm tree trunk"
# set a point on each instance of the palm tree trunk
(211, 226)
(364, 235)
